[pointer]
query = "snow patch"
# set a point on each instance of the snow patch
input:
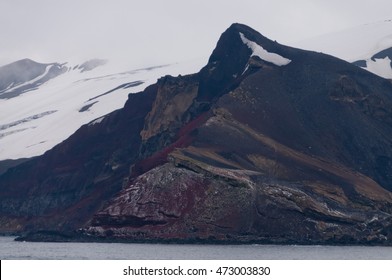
(380, 67)
(263, 54)
(99, 120)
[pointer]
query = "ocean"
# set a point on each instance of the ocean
(12, 250)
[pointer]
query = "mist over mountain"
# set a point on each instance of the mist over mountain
(26, 75)
(266, 143)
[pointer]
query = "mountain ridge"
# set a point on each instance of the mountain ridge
(246, 150)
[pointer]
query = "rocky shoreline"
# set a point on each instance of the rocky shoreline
(53, 236)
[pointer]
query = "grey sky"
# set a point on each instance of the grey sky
(161, 31)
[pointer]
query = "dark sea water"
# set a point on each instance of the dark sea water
(10, 250)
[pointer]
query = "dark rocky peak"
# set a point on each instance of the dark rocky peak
(232, 44)
(240, 48)
(182, 99)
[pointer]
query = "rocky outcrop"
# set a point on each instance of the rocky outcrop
(202, 194)
(246, 150)
(175, 96)
(177, 203)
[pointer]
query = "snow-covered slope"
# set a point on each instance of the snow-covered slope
(369, 46)
(40, 111)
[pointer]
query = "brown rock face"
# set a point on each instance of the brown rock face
(243, 151)
(169, 202)
(174, 97)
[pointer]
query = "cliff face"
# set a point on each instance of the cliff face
(265, 144)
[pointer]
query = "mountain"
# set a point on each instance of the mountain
(25, 75)
(368, 46)
(266, 144)
(43, 104)
(35, 96)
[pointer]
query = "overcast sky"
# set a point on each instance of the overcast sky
(150, 32)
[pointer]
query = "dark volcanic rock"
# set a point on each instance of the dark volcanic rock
(63, 188)
(9, 163)
(248, 150)
(383, 54)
